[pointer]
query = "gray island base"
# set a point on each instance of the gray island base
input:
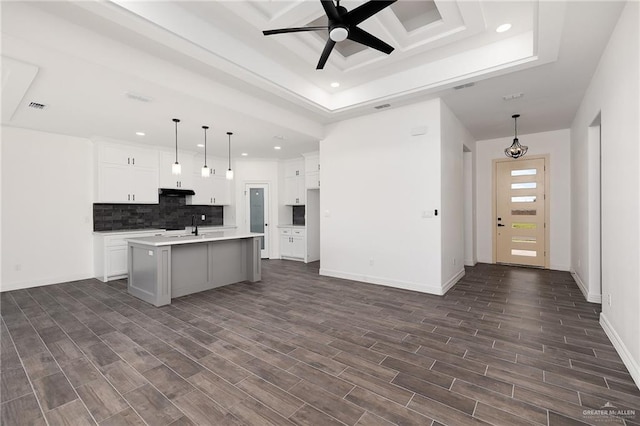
(163, 267)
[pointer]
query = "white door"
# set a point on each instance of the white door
(257, 212)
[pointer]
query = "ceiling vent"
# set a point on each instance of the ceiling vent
(513, 96)
(36, 105)
(138, 97)
(382, 106)
(464, 86)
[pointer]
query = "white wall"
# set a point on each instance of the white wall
(557, 145)
(453, 136)
(614, 93)
(257, 171)
(377, 180)
(470, 257)
(47, 196)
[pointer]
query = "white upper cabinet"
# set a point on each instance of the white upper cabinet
(185, 179)
(312, 170)
(294, 186)
(214, 190)
(126, 174)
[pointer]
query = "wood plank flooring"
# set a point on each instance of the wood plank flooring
(505, 346)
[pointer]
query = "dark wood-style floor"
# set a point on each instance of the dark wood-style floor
(506, 346)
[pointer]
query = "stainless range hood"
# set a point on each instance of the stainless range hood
(173, 192)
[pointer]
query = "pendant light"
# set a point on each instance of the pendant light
(176, 169)
(206, 172)
(229, 172)
(516, 150)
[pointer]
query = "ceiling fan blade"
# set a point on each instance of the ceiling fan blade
(331, 10)
(361, 36)
(325, 54)
(366, 11)
(293, 30)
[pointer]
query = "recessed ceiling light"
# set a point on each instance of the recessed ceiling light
(140, 133)
(502, 28)
(200, 145)
(276, 147)
(244, 154)
(335, 84)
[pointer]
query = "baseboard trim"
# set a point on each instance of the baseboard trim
(48, 281)
(631, 364)
(590, 297)
(406, 285)
(457, 277)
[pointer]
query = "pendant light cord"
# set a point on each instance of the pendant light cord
(175, 120)
(229, 133)
(205, 144)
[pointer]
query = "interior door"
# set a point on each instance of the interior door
(520, 212)
(257, 211)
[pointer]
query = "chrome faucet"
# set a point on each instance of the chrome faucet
(194, 225)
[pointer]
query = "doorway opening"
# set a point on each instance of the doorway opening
(594, 209)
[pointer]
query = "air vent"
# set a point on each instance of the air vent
(36, 105)
(464, 86)
(513, 96)
(138, 97)
(382, 106)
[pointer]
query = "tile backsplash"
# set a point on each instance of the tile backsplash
(169, 213)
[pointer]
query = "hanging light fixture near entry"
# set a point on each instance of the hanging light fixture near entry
(229, 172)
(516, 150)
(176, 169)
(206, 171)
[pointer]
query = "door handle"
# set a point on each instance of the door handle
(500, 224)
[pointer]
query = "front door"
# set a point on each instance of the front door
(520, 212)
(257, 196)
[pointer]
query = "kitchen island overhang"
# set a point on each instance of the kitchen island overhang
(164, 267)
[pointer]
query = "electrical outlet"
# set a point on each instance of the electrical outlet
(203, 217)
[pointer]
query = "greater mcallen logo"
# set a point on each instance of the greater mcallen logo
(609, 412)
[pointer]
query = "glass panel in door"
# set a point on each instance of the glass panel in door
(257, 213)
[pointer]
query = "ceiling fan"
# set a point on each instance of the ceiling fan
(343, 25)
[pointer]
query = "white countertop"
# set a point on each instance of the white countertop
(205, 237)
(292, 226)
(129, 231)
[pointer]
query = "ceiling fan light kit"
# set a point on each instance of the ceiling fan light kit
(343, 24)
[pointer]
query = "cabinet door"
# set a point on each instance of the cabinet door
(290, 190)
(114, 183)
(285, 246)
(312, 180)
(294, 168)
(312, 163)
(140, 157)
(297, 247)
(117, 261)
(182, 181)
(221, 191)
(114, 154)
(203, 188)
(301, 191)
(144, 185)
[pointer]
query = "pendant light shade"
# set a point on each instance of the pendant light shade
(229, 171)
(516, 150)
(176, 169)
(206, 171)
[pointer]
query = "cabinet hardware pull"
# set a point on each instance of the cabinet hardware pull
(128, 197)
(133, 161)
(128, 160)
(134, 197)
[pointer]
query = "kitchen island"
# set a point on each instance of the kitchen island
(163, 267)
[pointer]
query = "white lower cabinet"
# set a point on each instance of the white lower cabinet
(110, 253)
(292, 243)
